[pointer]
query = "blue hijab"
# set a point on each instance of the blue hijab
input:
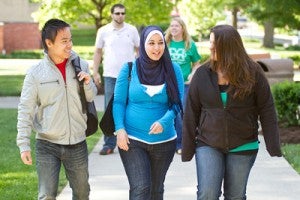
(158, 72)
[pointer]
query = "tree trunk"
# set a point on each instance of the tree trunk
(234, 17)
(269, 34)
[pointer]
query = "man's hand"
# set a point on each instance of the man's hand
(85, 77)
(26, 157)
(97, 78)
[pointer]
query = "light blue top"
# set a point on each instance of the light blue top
(143, 110)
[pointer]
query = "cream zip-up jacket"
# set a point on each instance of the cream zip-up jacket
(51, 106)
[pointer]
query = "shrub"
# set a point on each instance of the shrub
(204, 57)
(295, 58)
(25, 54)
(287, 99)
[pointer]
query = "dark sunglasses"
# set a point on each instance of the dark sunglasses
(119, 13)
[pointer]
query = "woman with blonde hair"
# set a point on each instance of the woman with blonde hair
(183, 51)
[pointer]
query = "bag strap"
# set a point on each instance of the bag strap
(76, 65)
(129, 78)
(130, 68)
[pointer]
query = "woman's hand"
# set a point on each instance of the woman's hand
(122, 139)
(156, 128)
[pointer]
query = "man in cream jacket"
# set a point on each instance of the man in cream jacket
(50, 104)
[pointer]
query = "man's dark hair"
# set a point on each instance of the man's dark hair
(51, 29)
(118, 5)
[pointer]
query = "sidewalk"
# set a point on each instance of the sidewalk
(270, 178)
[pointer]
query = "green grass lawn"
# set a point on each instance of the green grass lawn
(291, 153)
(11, 85)
(19, 181)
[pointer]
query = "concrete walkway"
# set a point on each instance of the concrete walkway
(270, 178)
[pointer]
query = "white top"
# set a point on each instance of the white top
(117, 46)
(151, 90)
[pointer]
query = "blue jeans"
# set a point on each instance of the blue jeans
(50, 156)
(178, 119)
(146, 167)
(214, 166)
(109, 87)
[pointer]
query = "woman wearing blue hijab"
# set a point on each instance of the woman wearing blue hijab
(144, 110)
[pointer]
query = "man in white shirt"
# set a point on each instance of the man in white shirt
(117, 43)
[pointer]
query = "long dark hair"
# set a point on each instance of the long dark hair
(233, 61)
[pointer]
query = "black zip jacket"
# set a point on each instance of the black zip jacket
(227, 127)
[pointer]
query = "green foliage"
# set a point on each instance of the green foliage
(204, 57)
(97, 12)
(287, 99)
(295, 58)
(145, 12)
(271, 10)
(201, 15)
(291, 153)
(293, 48)
(19, 181)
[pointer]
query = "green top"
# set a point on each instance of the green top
(182, 57)
(244, 147)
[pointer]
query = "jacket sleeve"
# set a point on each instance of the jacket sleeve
(267, 115)
(26, 110)
(190, 119)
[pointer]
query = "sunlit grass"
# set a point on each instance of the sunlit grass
(19, 181)
(292, 154)
(11, 85)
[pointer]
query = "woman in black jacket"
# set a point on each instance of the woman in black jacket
(227, 96)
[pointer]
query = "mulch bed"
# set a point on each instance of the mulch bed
(290, 135)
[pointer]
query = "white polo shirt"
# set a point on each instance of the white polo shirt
(117, 47)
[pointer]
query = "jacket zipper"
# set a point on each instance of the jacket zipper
(226, 125)
(68, 113)
(57, 81)
(226, 130)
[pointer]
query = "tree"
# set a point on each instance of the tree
(201, 15)
(275, 13)
(235, 6)
(97, 12)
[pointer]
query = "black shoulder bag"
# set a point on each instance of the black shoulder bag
(107, 124)
(88, 108)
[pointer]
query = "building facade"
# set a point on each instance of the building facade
(18, 31)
